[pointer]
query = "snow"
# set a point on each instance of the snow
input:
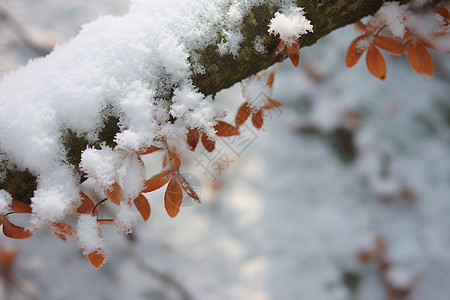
(5, 201)
(289, 216)
(393, 15)
(290, 25)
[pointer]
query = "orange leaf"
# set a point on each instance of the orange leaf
(173, 198)
(360, 26)
(20, 207)
(188, 188)
(272, 104)
(279, 48)
(15, 232)
(8, 256)
(271, 79)
(157, 181)
(375, 63)
(225, 129)
(354, 53)
(442, 11)
(97, 258)
(257, 119)
(389, 44)
(142, 206)
(208, 143)
(87, 205)
(419, 59)
(114, 193)
(174, 159)
(110, 222)
(193, 137)
(164, 162)
(293, 51)
(62, 230)
(148, 150)
(242, 115)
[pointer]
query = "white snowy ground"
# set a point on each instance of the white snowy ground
(290, 215)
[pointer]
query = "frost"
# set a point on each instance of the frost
(259, 45)
(5, 201)
(88, 234)
(393, 14)
(290, 25)
(126, 219)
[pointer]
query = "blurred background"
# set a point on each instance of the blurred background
(344, 194)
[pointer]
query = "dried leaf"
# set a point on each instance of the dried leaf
(271, 79)
(2, 218)
(225, 129)
(193, 137)
(110, 222)
(375, 63)
(164, 162)
(97, 258)
(360, 26)
(62, 230)
(279, 48)
(419, 58)
(188, 188)
(142, 206)
(173, 198)
(293, 51)
(148, 150)
(272, 104)
(87, 205)
(208, 143)
(354, 53)
(15, 232)
(114, 193)
(157, 181)
(242, 115)
(20, 207)
(390, 45)
(174, 159)
(442, 11)
(257, 119)
(8, 256)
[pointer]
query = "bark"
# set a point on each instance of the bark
(220, 71)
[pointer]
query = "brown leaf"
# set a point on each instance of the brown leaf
(188, 188)
(157, 181)
(114, 193)
(293, 51)
(193, 137)
(225, 129)
(173, 198)
(164, 162)
(15, 232)
(8, 256)
(20, 207)
(97, 258)
(87, 205)
(109, 222)
(272, 104)
(257, 119)
(360, 26)
(174, 159)
(142, 206)
(419, 58)
(375, 63)
(208, 143)
(442, 11)
(389, 44)
(271, 79)
(279, 48)
(354, 53)
(148, 150)
(62, 230)
(242, 115)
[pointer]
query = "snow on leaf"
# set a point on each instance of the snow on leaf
(208, 143)
(243, 114)
(419, 58)
(97, 258)
(142, 206)
(390, 45)
(375, 63)
(173, 198)
(62, 230)
(225, 129)
(279, 48)
(157, 181)
(193, 137)
(114, 193)
(354, 53)
(440, 10)
(15, 232)
(87, 205)
(149, 150)
(174, 159)
(257, 119)
(188, 188)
